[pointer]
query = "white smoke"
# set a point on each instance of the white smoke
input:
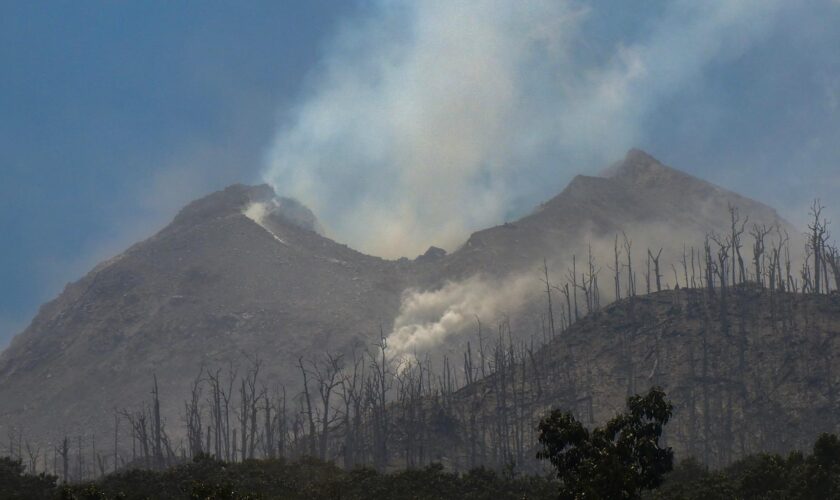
(431, 320)
(258, 211)
(426, 120)
(428, 319)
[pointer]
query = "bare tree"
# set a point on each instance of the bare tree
(352, 396)
(192, 417)
(156, 426)
(248, 404)
(736, 230)
(759, 233)
(328, 378)
(573, 277)
(631, 280)
(116, 439)
(832, 258)
(547, 283)
(64, 452)
(818, 233)
(656, 272)
(617, 270)
(33, 452)
(310, 413)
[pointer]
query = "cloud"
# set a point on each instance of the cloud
(432, 322)
(427, 120)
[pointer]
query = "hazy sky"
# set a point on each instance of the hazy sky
(429, 118)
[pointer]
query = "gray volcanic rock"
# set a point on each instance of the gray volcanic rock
(748, 371)
(652, 203)
(431, 255)
(210, 288)
(239, 274)
(296, 213)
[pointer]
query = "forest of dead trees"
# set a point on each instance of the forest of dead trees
(480, 408)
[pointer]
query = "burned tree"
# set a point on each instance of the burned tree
(818, 229)
(759, 233)
(656, 273)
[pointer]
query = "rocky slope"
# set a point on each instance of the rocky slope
(213, 287)
(747, 370)
(655, 205)
(232, 277)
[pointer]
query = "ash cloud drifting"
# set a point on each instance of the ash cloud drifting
(428, 318)
(426, 120)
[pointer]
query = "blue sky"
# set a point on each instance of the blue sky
(115, 114)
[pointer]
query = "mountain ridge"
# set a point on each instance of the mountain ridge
(215, 285)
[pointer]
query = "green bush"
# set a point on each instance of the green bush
(16, 484)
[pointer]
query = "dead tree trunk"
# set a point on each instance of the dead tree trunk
(656, 272)
(818, 230)
(64, 452)
(759, 233)
(631, 278)
(735, 243)
(328, 380)
(617, 270)
(156, 434)
(310, 415)
(548, 299)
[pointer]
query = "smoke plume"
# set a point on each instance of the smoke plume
(427, 319)
(426, 120)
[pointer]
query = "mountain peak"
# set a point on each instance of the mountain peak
(638, 165)
(232, 199)
(286, 210)
(638, 156)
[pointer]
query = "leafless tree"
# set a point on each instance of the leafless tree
(157, 435)
(547, 283)
(64, 453)
(327, 376)
(631, 280)
(192, 416)
(734, 239)
(818, 228)
(248, 403)
(656, 272)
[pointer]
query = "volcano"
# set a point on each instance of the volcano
(242, 274)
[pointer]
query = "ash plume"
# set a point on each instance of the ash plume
(427, 120)
(428, 318)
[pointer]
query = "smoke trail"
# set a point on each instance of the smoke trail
(428, 319)
(429, 119)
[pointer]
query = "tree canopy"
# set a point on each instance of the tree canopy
(619, 460)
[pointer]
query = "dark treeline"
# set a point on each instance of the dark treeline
(815, 475)
(480, 409)
(307, 478)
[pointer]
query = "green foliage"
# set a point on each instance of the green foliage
(16, 484)
(761, 476)
(616, 461)
(308, 479)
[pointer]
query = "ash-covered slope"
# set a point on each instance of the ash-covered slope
(212, 287)
(656, 205)
(232, 277)
(748, 370)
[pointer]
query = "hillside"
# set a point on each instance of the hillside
(211, 288)
(225, 282)
(748, 371)
(655, 205)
